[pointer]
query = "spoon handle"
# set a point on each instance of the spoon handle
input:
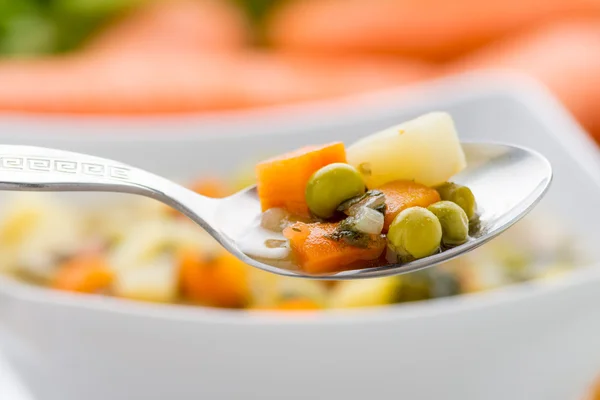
(28, 168)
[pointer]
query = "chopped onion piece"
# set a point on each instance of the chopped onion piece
(372, 199)
(265, 244)
(368, 220)
(391, 256)
(155, 281)
(273, 219)
(276, 243)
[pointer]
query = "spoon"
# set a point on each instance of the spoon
(507, 181)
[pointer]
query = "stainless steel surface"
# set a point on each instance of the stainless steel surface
(507, 181)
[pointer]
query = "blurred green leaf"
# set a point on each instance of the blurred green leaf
(25, 28)
(32, 27)
(257, 9)
(27, 35)
(77, 20)
(92, 9)
(12, 8)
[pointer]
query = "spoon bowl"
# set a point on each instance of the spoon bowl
(507, 181)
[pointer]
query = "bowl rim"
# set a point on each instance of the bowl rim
(526, 91)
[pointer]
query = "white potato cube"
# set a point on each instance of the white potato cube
(365, 293)
(153, 282)
(425, 149)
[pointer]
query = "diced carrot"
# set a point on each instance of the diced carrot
(88, 273)
(218, 280)
(315, 252)
(282, 180)
(400, 195)
(297, 304)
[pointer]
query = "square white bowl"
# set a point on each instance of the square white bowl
(530, 341)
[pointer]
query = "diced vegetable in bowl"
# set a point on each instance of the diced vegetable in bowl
(325, 209)
(118, 253)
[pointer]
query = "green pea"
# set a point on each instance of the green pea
(461, 195)
(332, 185)
(454, 221)
(415, 233)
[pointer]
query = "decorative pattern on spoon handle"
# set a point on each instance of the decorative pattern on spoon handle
(38, 168)
(41, 165)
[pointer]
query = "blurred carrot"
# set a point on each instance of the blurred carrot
(211, 187)
(564, 56)
(217, 280)
(103, 83)
(431, 29)
(175, 26)
(594, 393)
(296, 304)
(281, 78)
(87, 273)
(93, 84)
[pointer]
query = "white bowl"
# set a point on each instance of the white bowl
(530, 341)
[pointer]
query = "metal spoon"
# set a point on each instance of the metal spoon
(508, 181)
